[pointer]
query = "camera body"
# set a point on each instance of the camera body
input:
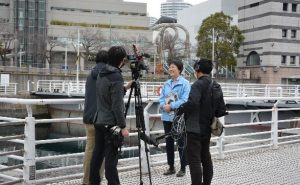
(136, 63)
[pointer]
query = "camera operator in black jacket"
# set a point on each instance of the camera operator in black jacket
(110, 115)
(198, 113)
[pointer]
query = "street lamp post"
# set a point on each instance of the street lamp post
(78, 60)
(20, 60)
(66, 58)
(213, 51)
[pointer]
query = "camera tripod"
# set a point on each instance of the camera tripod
(140, 125)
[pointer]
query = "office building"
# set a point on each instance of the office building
(191, 18)
(270, 52)
(171, 7)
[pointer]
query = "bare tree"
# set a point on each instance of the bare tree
(52, 42)
(174, 46)
(7, 38)
(91, 40)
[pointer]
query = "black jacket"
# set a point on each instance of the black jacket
(198, 108)
(90, 106)
(110, 93)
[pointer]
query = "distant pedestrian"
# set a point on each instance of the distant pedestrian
(199, 113)
(174, 92)
(90, 109)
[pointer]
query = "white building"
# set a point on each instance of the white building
(152, 20)
(270, 52)
(171, 7)
(191, 18)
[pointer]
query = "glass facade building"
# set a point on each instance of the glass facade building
(30, 27)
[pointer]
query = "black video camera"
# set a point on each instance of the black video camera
(136, 63)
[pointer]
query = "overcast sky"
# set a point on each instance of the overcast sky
(153, 6)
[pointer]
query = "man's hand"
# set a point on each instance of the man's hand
(167, 108)
(128, 85)
(125, 132)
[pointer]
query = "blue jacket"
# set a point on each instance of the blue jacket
(175, 96)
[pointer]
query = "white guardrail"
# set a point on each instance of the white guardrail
(152, 89)
(26, 171)
(8, 89)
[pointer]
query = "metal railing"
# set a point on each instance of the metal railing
(8, 89)
(151, 89)
(274, 135)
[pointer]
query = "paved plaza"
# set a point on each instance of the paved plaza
(261, 167)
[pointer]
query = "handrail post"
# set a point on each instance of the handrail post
(29, 170)
(220, 141)
(147, 132)
(15, 90)
(274, 126)
(279, 91)
(297, 89)
(5, 88)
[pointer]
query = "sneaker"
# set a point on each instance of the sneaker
(180, 173)
(170, 171)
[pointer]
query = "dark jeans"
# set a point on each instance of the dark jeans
(198, 154)
(170, 147)
(104, 148)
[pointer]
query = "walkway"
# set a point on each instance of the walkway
(255, 167)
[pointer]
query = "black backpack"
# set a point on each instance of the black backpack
(218, 103)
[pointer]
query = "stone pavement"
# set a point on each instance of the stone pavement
(256, 167)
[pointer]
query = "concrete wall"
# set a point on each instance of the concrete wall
(272, 75)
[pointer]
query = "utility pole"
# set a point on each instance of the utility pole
(213, 51)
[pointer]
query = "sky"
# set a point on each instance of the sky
(153, 6)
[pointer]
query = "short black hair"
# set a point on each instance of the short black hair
(178, 64)
(102, 57)
(116, 54)
(203, 65)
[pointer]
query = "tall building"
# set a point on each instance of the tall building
(27, 21)
(34, 21)
(171, 7)
(270, 52)
(152, 20)
(30, 26)
(202, 11)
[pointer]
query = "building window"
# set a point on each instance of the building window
(293, 33)
(292, 60)
(285, 7)
(284, 33)
(253, 59)
(294, 7)
(283, 59)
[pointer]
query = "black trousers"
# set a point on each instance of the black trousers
(170, 147)
(104, 148)
(198, 155)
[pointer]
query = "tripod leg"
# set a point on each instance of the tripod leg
(148, 161)
(140, 158)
